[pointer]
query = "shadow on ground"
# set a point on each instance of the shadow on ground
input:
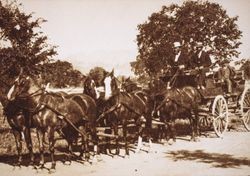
(215, 159)
(12, 159)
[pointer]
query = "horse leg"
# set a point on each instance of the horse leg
(70, 151)
(191, 119)
(124, 127)
(196, 123)
(41, 138)
(85, 144)
(171, 126)
(95, 141)
(51, 137)
(139, 130)
(117, 148)
(18, 140)
(28, 140)
(173, 130)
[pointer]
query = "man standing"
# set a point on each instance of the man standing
(246, 74)
(226, 74)
(202, 61)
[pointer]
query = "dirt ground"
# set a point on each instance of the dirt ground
(229, 156)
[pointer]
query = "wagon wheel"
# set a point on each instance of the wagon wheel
(205, 123)
(220, 115)
(245, 108)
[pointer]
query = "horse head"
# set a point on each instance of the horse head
(89, 88)
(23, 85)
(110, 85)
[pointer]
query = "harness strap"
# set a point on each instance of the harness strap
(113, 108)
(64, 118)
(165, 99)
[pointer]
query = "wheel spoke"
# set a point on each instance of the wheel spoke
(247, 99)
(219, 125)
(216, 113)
(222, 125)
(224, 114)
(245, 105)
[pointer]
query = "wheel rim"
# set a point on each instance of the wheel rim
(245, 108)
(220, 115)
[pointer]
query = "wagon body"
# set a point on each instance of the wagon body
(216, 103)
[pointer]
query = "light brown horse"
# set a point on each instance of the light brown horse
(50, 113)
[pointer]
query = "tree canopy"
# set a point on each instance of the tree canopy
(192, 24)
(22, 44)
(98, 74)
(61, 74)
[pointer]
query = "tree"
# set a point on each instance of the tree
(191, 24)
(22, 44)
(98, 74)
(61, 74)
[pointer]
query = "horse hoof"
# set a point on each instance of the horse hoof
(126, 156)
(34, 167)
(170, 142)
(42, 166)
(53, 166)
(52, 170)
(18, 164)
(196, 140)
(94, 159)
(67, 162)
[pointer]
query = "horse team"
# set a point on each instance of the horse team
(79, 115)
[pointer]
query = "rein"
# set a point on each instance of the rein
(173, 100)
(38, 106)
(117, 106)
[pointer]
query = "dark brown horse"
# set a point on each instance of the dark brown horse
(179, 103)
(88, 106)
(89, 87)
(20, 126)
(49, 113)
(123, 108)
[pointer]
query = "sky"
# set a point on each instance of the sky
(91, 33)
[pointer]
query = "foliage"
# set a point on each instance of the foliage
(98, 74)
(192, 24)
(22, 44)
(61, 74)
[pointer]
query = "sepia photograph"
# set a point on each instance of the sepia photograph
(125, 87)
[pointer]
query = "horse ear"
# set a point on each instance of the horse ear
(112, 72)
(20, 74)
(21, 71)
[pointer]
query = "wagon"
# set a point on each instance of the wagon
(217, 105)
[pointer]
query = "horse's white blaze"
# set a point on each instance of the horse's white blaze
(108, 91)
(9, 95)
(98, 91)
(47, 87)
(22, 135)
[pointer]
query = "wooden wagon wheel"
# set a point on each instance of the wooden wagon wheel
(245, 108)
(220, 115)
